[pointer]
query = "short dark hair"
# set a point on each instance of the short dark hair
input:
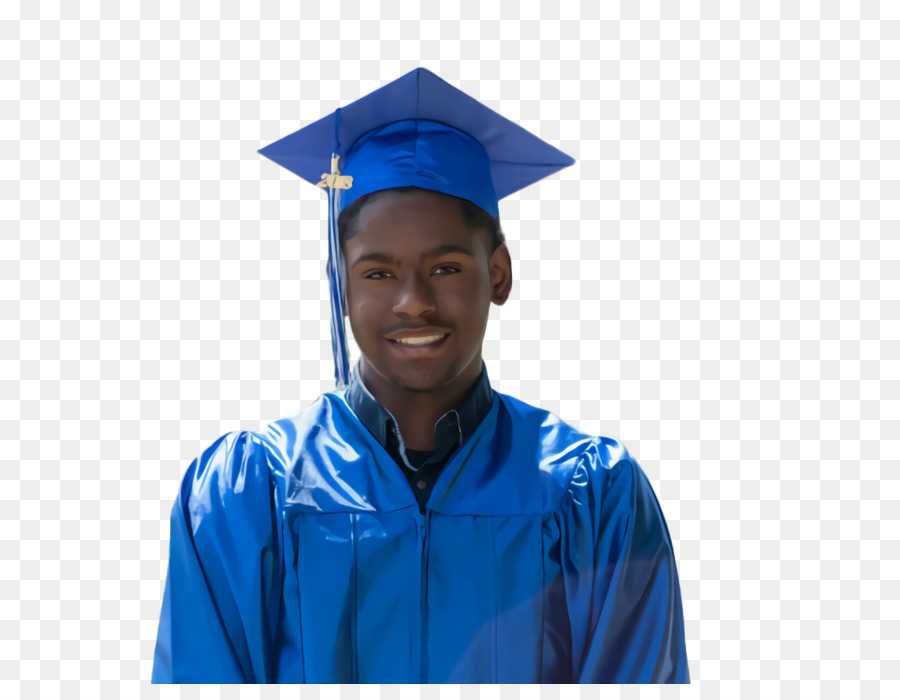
(473, 215)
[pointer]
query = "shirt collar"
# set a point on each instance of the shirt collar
(470, 410)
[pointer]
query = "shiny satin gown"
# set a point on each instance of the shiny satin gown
(299, 555)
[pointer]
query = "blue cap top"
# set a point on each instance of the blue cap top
(380, 142)
(424, 154)
(416, 131)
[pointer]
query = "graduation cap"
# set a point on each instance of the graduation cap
(417, 131)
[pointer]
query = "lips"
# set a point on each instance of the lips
(417, 333)
(416, 342)
(421, 346)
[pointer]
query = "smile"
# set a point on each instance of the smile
(420, 341)
(426, 346)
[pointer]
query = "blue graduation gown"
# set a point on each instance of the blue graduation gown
(299, 555)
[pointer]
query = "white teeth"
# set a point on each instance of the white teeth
(419, 341)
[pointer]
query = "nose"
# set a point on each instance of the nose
(414, 297)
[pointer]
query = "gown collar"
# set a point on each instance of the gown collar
(460, 422)
(519, 461)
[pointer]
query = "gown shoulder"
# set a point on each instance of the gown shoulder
(621, 567)
(222, 593)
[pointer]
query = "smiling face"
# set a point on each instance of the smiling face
(417, 270)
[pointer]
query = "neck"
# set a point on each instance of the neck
(418, 411)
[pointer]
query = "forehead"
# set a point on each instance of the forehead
(407, 201)
(412, 219)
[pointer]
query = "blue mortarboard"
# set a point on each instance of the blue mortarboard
(416, 131)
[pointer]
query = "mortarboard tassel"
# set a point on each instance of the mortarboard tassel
(337, 272)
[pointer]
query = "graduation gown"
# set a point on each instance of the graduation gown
(299, 554)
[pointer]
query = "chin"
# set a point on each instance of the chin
(421, 379)
(425, 377)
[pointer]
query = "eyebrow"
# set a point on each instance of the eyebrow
(433, 253)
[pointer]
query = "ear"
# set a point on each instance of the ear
(500, 266)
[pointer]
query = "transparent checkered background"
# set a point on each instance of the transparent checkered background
(715, 283)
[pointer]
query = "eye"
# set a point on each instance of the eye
(376, 275)
(448, 269)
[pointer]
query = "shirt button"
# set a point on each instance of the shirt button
(420, 484)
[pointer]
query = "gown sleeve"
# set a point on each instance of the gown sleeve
(619, 573)
(222, 595)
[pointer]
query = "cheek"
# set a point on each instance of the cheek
(361, 298)
(361, 311)
(466, 297)
(363, 316)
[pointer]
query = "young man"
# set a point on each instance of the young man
(414, 525)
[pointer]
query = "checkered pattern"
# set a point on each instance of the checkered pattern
(715, 283)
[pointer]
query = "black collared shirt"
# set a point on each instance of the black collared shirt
(421, 467)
